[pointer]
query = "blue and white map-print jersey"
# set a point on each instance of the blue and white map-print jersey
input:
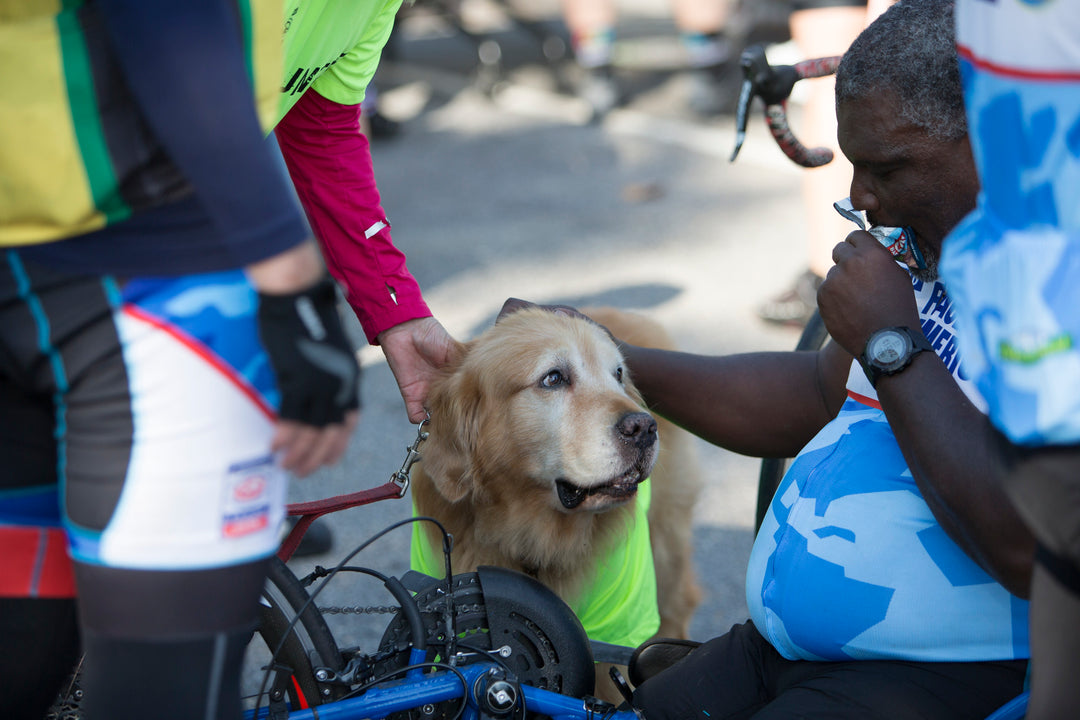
(851, 564)
(1013, 265)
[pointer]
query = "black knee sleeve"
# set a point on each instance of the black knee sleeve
(166, 644)
(187, 679)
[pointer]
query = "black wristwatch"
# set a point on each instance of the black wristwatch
(890, 350)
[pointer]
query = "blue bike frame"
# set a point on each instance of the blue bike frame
(418, 688)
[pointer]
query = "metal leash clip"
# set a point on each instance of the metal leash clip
(401, 477)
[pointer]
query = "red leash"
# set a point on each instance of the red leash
(309, 511)
(396, 487)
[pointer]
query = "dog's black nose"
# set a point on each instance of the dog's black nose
(638, 428)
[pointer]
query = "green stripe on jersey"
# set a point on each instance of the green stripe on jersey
(82, 99)
(243, 11)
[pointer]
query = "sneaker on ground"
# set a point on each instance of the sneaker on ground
(794, 306)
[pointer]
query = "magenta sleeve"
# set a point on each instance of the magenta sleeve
(330, 164)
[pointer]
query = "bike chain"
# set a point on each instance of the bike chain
(359, 610)
(387, 609)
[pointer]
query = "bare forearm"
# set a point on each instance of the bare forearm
(291, 271)
(758, 404)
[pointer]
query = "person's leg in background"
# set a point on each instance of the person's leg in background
(701, 25)
(712, 54)
(820, 29)
(592, 38)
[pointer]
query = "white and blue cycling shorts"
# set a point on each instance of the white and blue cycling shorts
(135, 426)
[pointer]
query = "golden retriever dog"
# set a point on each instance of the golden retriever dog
(538, 444)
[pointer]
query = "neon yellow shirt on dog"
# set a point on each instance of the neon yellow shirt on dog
(620, 605)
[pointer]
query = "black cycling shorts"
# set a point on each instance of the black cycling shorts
(741, 675)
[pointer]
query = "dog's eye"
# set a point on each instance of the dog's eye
(554, 378)
(618, 375)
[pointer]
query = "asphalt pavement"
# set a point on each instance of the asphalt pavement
(498, 185)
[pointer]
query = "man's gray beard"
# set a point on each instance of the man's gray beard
(928, 274)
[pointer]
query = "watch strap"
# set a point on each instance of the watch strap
(919, 343)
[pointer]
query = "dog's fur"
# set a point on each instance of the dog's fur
(542, 398)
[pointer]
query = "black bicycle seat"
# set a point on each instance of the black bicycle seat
(656, 655)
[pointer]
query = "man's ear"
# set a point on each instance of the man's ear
(453, 433)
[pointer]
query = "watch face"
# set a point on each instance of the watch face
(888, 349)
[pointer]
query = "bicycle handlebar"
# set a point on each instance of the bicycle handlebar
(773, 84)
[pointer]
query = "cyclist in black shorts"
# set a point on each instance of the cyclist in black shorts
(151, 242)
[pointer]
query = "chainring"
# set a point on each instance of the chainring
(541, 641)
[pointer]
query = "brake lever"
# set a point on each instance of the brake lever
(773, 84)
(746, 94)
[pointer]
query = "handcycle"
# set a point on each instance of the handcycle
(490, 643)
(484, 681)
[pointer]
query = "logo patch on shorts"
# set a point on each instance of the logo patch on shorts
(247, 501)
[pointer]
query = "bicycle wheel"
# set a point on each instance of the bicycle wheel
(545, 645)
(307, 645)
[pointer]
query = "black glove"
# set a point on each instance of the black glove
(317, 371)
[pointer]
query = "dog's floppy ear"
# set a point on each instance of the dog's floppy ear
(453, 431)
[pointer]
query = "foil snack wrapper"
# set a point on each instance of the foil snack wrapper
(894, 239)
(897, 240)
